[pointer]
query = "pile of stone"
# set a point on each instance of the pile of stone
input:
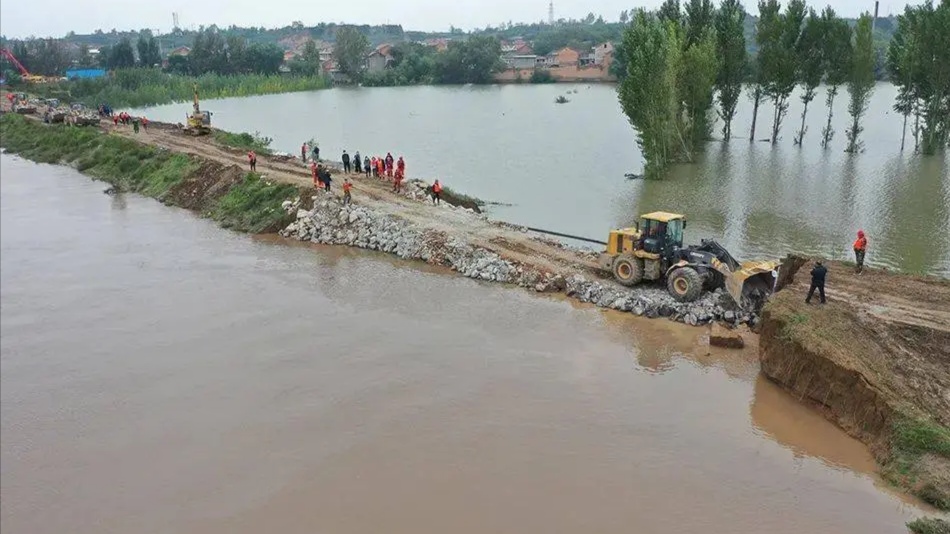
(330, 222)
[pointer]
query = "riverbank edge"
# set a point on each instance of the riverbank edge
(236, 199)
(910, 446)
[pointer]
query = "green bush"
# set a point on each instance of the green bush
(146, 87)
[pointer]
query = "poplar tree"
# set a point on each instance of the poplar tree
(767, 31)
(730, 47)
(836, 54)
(810, 64)
(861, 80)
(779, 61)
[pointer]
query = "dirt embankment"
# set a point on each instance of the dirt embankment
(876, 361)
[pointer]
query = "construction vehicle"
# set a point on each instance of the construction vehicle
(653, 250)
(24, 74)
(199, 122)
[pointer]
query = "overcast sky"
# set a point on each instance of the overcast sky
(43, 18)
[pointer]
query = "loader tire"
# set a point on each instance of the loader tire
(628, 269)
(685, 284)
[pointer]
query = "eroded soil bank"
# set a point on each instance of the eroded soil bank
(876, 361)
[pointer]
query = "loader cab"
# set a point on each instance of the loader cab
(661, 232)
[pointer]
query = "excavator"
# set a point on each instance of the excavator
(199, 122)
(24, 74)
(653, 250)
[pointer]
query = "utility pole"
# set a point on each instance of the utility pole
(551, 12)
(877, 4)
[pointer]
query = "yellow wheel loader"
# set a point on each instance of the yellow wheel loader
(199, 122)
(653, 250)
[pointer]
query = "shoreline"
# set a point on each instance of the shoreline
(206, 177)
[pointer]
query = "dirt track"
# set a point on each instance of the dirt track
(374, 193)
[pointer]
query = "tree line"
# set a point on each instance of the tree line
(471, 60)
(697, 62)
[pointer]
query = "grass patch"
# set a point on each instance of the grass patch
(929, 525)
(245, 141)
(912, 439)
(914, 436)
(253, 205)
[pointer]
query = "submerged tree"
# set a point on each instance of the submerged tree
(903, 67)
(810, 64)
(730, 47)
(936, 99)
(652, 49)
(671, 112)
(767, 31)
(861, 79)
(836, 57)
(777, 52)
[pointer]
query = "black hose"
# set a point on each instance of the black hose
(569, 236)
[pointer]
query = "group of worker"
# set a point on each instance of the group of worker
(819, 272)
(123, 117)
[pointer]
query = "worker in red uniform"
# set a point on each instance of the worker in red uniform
(401, 166)
(381, 167)
(313, 174)
(347, 198)
(860, 246)
(115, 120)
(397, 182)
(389, 164)
(303, 152)
(437, 192)
(252, 160)
(144, 124)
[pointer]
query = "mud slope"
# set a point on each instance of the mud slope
(876, 361)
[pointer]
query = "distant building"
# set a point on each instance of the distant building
(380, 58)
(180, 51)
(602, 53)
(527, 61)
(326, 53)
(289, 55)
(565, 57)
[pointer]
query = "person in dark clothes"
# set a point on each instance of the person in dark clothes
(316, 152)
(346, 162)
(357, 163)
(325, 178)
(366, 168)
(818, 274)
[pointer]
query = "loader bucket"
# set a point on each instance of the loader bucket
(753, 283)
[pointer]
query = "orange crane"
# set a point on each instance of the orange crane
(25, 74)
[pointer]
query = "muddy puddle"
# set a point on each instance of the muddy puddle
(160, 374)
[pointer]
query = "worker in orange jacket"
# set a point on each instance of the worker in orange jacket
(347, 186)
(860, 247)
(437, 193)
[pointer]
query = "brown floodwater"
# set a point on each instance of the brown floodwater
(160, 374)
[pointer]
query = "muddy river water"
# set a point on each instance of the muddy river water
(160, 374)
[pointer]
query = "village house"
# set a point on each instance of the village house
(440, 44)
(602, 53)
(565, 57)
(528, 61)
(180, 51)
(380, 58)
